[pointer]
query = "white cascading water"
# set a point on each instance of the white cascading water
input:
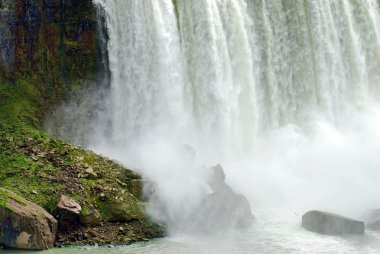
(283, 93)
(187, 71)
(222, 71)
(147, 76)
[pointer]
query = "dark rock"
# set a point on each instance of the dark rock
(372, 219)
(25, 225)
(66, 209)
(331, 224)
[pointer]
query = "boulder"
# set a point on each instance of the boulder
(25, 225)
(66, 209)
(90, 216)
(372, 219)
(223, 209)
(331, 224)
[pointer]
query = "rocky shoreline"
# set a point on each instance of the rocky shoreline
(25, 225)
(39, 168)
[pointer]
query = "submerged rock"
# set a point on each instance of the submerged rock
(66, 209)
(372, 219)
(223, 209)
(331, 224)
(25, 225)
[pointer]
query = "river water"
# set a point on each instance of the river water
(271, 238)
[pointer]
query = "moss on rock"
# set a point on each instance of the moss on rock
(5, 196)
(40, 168)
(48, 51)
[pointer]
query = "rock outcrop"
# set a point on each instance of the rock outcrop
(52, 42)
(51, 51)
(23, 224)
(331, 224)
(223, 209)
(91, 216)
(66, 209)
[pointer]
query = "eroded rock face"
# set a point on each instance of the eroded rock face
(24, 225)
(331, 224)
(67, 209)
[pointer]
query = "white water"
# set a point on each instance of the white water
(283, 93)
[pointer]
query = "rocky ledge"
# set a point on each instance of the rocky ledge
(25, 225)
(105, 197)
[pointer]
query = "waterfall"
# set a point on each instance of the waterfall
(221, 72)
(284, 94)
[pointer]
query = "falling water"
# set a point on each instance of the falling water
(222, 72)
(284, 93)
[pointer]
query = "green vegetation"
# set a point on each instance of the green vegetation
(39, 167)
(54, 61)
(5, 196)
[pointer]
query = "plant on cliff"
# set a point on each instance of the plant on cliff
(39, 167)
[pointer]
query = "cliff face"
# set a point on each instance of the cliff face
(51, 43)
(51, 50)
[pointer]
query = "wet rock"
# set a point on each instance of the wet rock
(91, 216)
(223, 209)
(23, 224)
(66, 209)
(136, 188)
(372, 219)
(124, 210)
(331, 224)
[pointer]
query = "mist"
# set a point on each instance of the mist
(283, 96)
(289, 171)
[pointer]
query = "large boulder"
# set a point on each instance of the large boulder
(372, 219)
(25, 225)
(223, 209)
(66, 209)
(331, 224)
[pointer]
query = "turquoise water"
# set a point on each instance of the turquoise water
(265, 237)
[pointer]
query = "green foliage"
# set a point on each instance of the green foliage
(18, 105)
(5, 196)
(39, 168)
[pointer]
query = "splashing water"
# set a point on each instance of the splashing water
(283, 93)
